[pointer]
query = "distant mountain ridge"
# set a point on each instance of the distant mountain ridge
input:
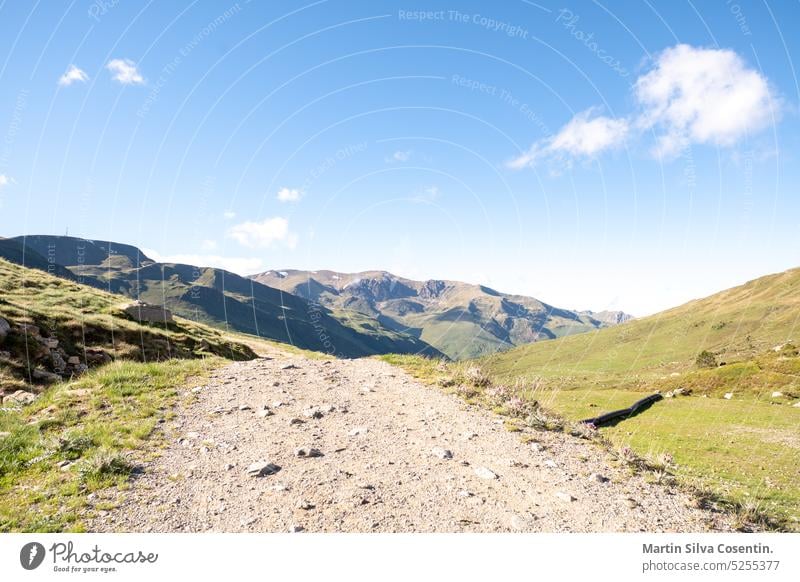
(215, 296)
(461, 320)
(351, 315)
(608, 317)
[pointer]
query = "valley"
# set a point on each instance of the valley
(460, 320)
(727, 365)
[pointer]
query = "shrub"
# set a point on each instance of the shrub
(541, 420)
(105, 464)
(706, 359)
(73, 445)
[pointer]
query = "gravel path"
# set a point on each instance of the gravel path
(362, 447)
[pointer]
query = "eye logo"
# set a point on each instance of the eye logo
(31, 555)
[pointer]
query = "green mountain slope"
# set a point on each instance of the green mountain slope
(15, 252)
(732, 425)
(220, 298)
(459, 319)
(736, 325)
(51, 327)
(68, 251)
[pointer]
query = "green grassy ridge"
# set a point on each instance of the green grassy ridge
(221, 299)
(736, 324)
(745, 449)
(105, 423)
(83, 318)
(742, 452)
(15, 252)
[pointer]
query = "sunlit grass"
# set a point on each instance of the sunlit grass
(97, 423)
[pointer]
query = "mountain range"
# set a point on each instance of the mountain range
(459, 319)
(350, 315)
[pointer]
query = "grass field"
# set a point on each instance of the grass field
(84, 435)
(100, 427)
(743, 452)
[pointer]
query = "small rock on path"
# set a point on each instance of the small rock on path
(385, 467)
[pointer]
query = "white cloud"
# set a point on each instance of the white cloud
(428, 194)
(4, 180)
(585, 136)
(399, 156)
(229, 215)
(239, 265)
(697, 95)
(264, 234)
(208, 245)
(289, 194)
(125, 71)
(73, 74)
(691, 95)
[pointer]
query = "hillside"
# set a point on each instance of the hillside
(224, 299)
(459, 319)
(736, 325)
(15, 252)
(729, 422)
(53, 329)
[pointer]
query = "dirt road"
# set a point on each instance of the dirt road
(359, 446)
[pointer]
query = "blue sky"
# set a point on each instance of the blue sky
(591, 156)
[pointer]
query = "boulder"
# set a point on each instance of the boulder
(50, 343)
(58, 361)
(45, 377)
(30, 330)
(19, 398)
(73, 360)
(5, 327)
(146, 312)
